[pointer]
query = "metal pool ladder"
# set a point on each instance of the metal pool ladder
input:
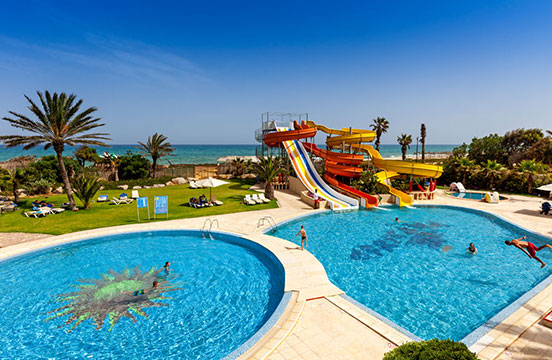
(207, 230)
(267, 220)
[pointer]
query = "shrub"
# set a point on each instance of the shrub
(431, 350)
(48, 168)
(133, 166)
(368, 183)
(40, 186)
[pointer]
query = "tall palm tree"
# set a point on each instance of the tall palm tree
(267, 169)
(422, 140)
(404, 141)
(157, 147)
(491, 169)
(58, 123)
(380, 126)
(530, 168)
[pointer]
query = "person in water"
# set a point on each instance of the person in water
(472, 249)
(397, 220)
(531, 248)
(155, 285)
(303, 236)
(167, 266)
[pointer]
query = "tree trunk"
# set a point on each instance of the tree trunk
(65, 177)
(403, 150)
(154, 167)
(530, 184)
(269, 190)
(115, 172)
(15, 192)
(464, 179)
(423, 151)
(377, 142)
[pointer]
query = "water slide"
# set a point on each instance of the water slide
(304, 168)
(353, 138)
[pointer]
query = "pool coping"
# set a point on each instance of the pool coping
(477, 340)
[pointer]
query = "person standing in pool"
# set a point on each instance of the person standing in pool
(167, 267)
(472, 249)
(531, 248)
(303, 236)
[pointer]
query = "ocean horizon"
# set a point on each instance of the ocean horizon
(205, 154)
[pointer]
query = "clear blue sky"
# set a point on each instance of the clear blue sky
(204, 71)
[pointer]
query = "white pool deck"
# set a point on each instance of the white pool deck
(318, 322)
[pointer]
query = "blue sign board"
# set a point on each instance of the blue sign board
(161, 205)
(142, 202)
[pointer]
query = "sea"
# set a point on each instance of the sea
(204, 154)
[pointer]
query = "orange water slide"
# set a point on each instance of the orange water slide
(274, 139)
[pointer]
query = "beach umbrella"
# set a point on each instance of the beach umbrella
(545, 187)
(211, 183)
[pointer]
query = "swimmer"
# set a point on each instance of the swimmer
(167, 266)
(155, 285)
(472, 249)
(303, 236)
(531, 248)
(397, 220)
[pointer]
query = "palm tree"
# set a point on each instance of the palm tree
(86, 189)
(380, 126)
(238, 166)
(464, 165)
(267, 169)
(58, 123)
(157, 147)
(491, 169)
(422, 140)
(16, 177)
(404, 141)
(530, 168)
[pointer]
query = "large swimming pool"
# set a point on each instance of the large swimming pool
(79, 300)
(417, 273)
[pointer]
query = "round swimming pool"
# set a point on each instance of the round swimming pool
(472, 195)
(417, 273)
(95, 298)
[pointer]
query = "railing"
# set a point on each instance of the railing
(267, 220)
(207, 230)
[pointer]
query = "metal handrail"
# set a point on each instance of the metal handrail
(268, 219)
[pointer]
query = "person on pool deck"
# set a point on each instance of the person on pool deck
(531, 248)
(316, 199)
(303, 236)
(472, 249)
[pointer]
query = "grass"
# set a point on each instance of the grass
(107, 214)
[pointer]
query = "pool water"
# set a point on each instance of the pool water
(417, 273)
(217, 295)
(472, 195)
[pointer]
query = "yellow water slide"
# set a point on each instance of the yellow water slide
(391, 168)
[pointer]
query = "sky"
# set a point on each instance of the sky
(202, 72)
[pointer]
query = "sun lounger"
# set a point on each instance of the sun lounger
(248, 201)
(120, 201)
(263, 198)
(215, 202)
(103, 198)
(34, 214)
(255, 198)
(135, 194)
(57, 210)
(193, 185)
(46, 210)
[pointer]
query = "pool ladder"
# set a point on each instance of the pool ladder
(207, 230)
(267, 220)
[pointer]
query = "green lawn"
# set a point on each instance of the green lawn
(108, 214)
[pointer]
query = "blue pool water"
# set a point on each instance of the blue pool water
(417, 273)
(472, 195)
(224, 291)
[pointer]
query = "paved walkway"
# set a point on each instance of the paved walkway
(319, 323)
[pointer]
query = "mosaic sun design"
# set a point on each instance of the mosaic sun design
(114, 296)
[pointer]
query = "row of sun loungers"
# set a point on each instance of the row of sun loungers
(255, 199)
(43, 211)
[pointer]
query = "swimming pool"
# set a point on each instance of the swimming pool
(472, 195)
(417, 273)
(218, 294)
